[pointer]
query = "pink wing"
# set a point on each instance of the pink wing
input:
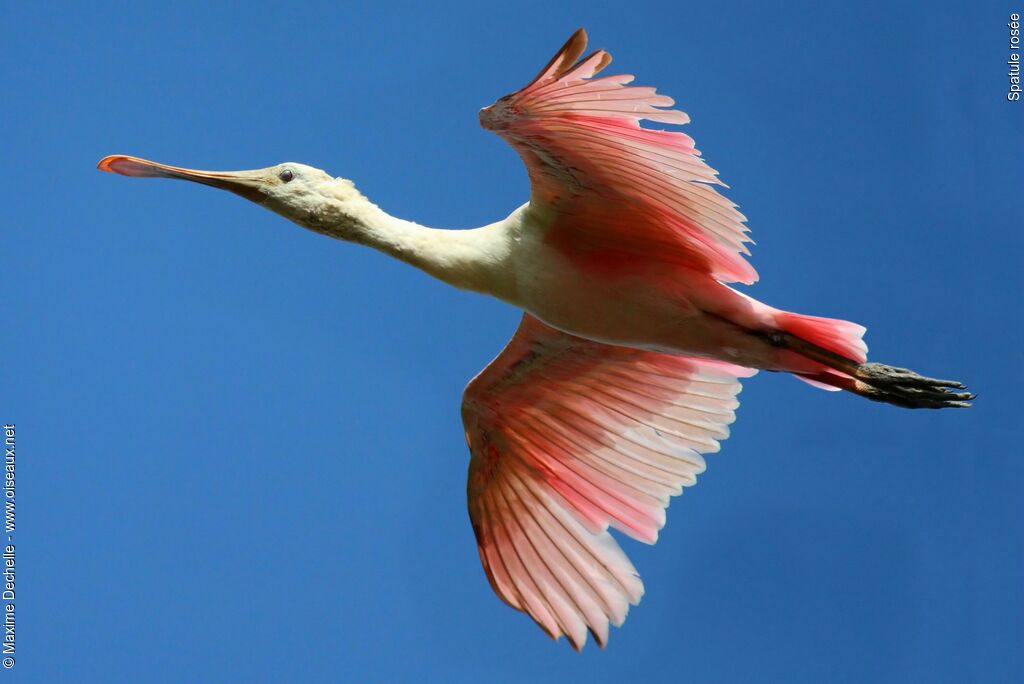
(618, 188)
(567, 437)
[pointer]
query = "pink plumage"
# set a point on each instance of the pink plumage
(617, 185)
(569, 437)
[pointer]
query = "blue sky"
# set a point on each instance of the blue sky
(240, 449)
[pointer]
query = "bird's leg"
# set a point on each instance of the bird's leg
(875, 381)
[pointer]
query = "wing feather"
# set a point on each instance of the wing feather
(568, 437)
(613, 184)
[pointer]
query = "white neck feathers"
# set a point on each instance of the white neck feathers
(469, 259)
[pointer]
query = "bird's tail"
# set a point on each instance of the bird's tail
(838, 350)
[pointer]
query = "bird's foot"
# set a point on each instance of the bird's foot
(903, 387)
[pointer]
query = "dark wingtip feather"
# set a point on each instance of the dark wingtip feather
(565, 58)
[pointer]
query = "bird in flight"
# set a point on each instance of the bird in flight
(626, 365)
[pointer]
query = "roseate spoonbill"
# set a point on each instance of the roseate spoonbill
(626, 365)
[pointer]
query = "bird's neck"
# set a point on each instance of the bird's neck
(471, 259)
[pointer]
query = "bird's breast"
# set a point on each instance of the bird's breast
(607, 296)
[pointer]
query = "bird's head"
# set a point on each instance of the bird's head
(300, 193)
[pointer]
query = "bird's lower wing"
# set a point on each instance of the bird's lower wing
(567, 437)
(617, 186)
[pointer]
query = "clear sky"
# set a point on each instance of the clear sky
(239, 442)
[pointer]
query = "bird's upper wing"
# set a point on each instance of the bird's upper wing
(567, 437)
(617, 187)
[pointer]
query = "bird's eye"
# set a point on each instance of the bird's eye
(286, 175)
